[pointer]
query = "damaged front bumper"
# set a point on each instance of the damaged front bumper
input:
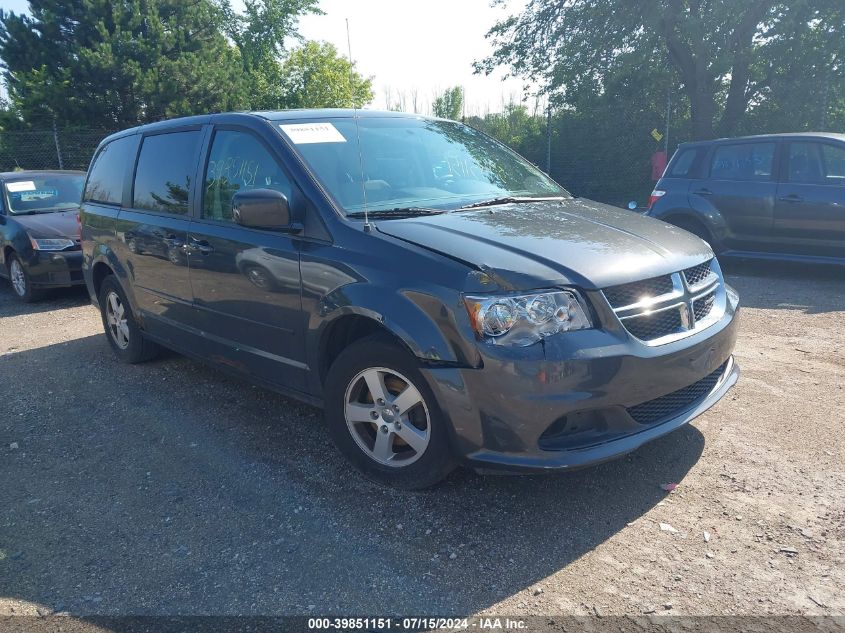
(583, 397)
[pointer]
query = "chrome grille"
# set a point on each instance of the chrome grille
(676, 402)
(661, 309)
(698, 274)
(627, 294)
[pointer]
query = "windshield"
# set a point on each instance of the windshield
(44, 194)
(417, 163)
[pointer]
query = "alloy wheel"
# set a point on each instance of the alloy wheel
(116, 320)
(258, 277)
(387, 417)
(18, 278)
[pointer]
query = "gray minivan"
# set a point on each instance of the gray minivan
(442, 299)
(779, 196)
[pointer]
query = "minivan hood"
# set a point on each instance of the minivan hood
(573, 241)
(50, 225)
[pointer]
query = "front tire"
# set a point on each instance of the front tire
(382, 415)
(125, 337)
(21, 283)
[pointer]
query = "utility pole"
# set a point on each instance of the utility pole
(549, 137)
(668, 114)
(824, 101)
(58, 147)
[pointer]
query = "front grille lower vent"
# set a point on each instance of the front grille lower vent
(628, 294)
(677, 402)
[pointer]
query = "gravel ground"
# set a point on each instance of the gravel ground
(170, 488)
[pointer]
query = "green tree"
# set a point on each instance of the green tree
(8, 117)
(449, 104)
(316, 76)
(261, 34)
(113, 64)
(811, 53)
(516, 128)
(725, 54)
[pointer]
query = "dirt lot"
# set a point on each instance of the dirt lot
(169, 488)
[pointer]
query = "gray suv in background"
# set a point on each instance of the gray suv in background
(443, 300)
(780, 196)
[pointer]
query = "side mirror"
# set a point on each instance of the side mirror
(632, 205)
(261, 208)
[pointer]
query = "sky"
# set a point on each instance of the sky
(427, 45)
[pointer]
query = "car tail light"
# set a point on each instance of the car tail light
(79, 226)
(654, 197)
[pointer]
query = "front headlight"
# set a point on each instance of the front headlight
(51, 244)
(524, 319)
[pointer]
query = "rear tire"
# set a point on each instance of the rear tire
(122, 331)
(21, 282)
(382, 415)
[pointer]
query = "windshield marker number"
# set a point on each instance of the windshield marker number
(305, 133)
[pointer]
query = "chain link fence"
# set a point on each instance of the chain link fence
(613, 178)
(49, 149)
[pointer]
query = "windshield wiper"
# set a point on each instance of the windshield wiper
(398, 212)
(506, 200)
(34, 212)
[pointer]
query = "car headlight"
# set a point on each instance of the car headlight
(521, 320)
(51, 244)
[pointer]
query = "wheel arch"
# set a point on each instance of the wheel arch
(105, 263)
(422, 324)
(99, 271)
(686, 219)
(8, 250)
(708, 226)
(345, 330)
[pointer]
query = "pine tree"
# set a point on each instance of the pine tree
(97, 63)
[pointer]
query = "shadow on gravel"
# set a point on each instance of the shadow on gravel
(169, 488)
(813, 288)
(56, 299)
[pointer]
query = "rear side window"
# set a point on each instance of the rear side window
(105, 178)
(820, 163)
(166, 165)
(834, 163)
(683, 164)
(238, 162)
(743, 161)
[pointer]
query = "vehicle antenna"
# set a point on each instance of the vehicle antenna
(367, 226)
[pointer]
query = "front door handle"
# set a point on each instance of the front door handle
(791, 198)
(200, 245)
(704, 192)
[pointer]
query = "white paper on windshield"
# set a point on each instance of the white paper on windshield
(21, 185)
(304, 133)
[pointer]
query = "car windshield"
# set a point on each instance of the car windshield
(418, 164)
(44, 193)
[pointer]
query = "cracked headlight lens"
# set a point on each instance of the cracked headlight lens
(523, 319)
